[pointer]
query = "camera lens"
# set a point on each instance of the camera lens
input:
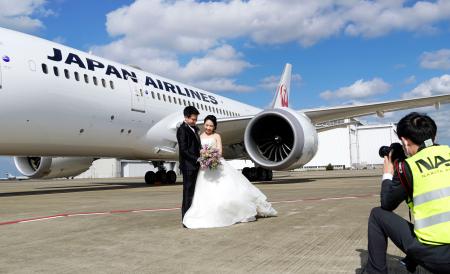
(384, 151)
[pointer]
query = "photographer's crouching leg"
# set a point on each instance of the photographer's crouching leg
(385, 224)
(409, 263)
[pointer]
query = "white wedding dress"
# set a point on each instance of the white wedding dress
(223, 197)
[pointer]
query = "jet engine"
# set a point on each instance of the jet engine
(48, 167)
(281, 139)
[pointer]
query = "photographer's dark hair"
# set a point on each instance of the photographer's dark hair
(417, 127)
(190, 110)
(213, 119)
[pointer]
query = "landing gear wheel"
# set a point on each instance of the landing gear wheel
(246, 172)
(161, 176)
(269, 175)
(171, 177)
(252, 174)
(150, 177)
(261, 174)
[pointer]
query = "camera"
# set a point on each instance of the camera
(397, 152)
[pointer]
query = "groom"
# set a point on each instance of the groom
(189, 146)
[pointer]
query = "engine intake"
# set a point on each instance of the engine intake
(48, 167)
(280, 139)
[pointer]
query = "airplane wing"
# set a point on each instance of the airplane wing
(232, 129)
(320, 115)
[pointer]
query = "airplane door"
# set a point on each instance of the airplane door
(137, 97)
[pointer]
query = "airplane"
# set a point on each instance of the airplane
(62, 108)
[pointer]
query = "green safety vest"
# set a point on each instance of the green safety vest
(430, 168)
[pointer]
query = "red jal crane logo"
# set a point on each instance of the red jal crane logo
(284, 96)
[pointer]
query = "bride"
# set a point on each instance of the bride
(223, 196)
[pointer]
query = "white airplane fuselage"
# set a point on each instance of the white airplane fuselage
(70, 103)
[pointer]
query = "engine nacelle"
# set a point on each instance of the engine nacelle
(48, 167)
(281, 139)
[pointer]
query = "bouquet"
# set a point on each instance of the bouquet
(209, 157)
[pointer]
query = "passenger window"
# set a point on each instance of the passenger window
(170, 99)
(86, 78)
(95, 80)
(44, 68)
(111, 84)
(66, 73)
(103, 83)
(164, 97)
(153, 95)
(179, 101)
(56, 71)
(184, 101)
(159, 97)
(77, 76)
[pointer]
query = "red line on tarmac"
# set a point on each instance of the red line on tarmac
(164, 209)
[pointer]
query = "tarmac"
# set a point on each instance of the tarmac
(122, 225)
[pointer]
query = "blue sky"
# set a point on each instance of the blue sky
(342, 52)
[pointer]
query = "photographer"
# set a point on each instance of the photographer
(423, 181)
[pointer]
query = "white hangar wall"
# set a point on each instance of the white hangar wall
(334, 148)
(352, 146)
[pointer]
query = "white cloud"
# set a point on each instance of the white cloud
(376, 18)
(436, 60)
(190, 26)
(59, 40)
(156, 34)
(410, 80)
(434, 86)
(19, 14)
(223, 84)
(359, 89)
(219, 62)
(271, 82)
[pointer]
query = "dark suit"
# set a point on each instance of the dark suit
(189, 151)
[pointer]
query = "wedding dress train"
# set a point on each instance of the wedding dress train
(223, 197)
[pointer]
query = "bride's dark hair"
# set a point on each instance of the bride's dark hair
(213, 119)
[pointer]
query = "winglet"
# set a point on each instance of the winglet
(281, 99)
